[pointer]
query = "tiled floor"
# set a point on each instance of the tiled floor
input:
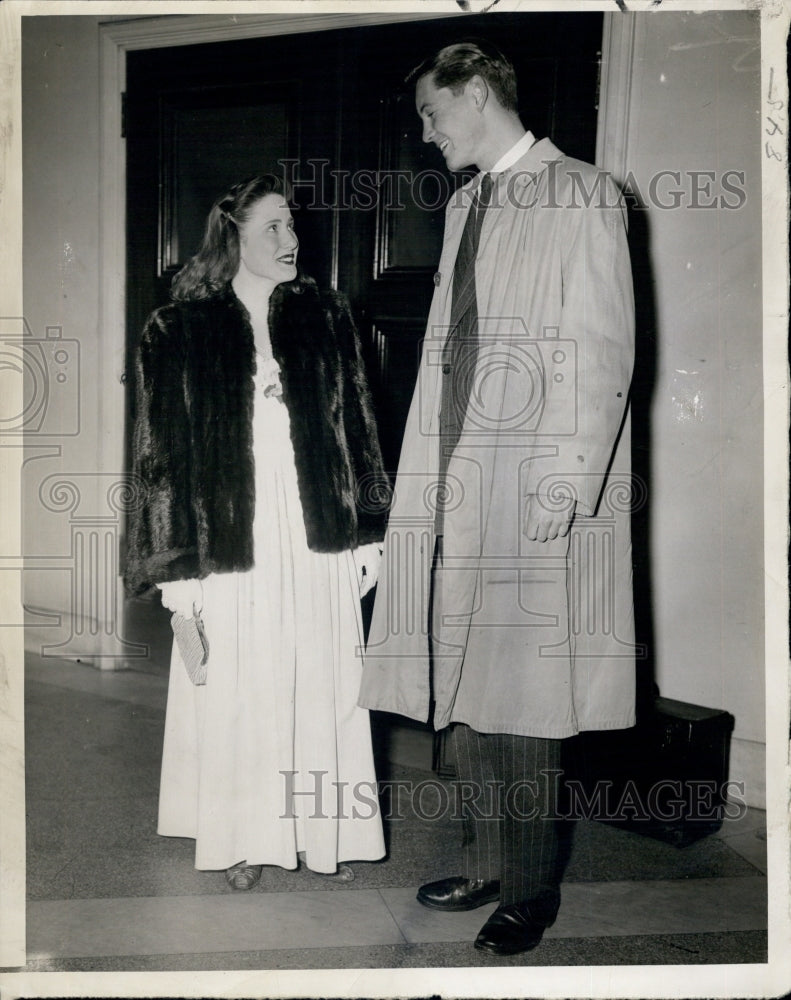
(106, 893)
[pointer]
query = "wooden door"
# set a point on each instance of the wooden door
(369, 194)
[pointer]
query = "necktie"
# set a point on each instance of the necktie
(461, 347)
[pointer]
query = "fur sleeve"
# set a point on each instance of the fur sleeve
(372, 486)
(161, 537)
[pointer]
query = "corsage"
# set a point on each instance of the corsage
(270, 377)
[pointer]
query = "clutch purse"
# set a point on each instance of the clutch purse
(193, 645)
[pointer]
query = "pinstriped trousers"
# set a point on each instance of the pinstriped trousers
(508, 789)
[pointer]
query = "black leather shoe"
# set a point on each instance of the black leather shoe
(509, 930)
(458, 893)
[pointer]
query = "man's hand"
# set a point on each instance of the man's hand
(544, 525)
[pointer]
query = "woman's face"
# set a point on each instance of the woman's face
(267, 241)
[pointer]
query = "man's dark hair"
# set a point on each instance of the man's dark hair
(455, 64)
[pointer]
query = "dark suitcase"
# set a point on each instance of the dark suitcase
(665, 778)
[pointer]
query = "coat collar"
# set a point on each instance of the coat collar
(526, 170)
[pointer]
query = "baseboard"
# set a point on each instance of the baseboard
(747, 772)
(51, 633)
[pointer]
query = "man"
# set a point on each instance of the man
(505, 591)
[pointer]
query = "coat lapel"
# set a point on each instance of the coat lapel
(515, 183)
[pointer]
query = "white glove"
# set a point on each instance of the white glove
(181, 596)
(366, 562)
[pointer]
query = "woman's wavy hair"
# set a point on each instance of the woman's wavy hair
(217, 260)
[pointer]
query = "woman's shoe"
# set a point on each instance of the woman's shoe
(242, 876)
(343, 873)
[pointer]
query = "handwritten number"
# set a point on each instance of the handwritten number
(773, 128)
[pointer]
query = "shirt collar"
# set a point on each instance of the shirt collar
(516, 152)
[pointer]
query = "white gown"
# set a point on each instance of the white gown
(273, 756)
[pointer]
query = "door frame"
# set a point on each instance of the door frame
(116, 38)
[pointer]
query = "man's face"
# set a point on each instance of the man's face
(451, 121)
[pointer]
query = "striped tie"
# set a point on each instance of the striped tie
(461, 348)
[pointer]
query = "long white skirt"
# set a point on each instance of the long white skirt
(273, 756)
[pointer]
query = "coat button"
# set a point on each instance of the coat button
(446, 369)
(437, 278)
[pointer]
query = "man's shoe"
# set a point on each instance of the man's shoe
(458, 893)
(509, 930)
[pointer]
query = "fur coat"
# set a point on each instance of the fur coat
(192, 451)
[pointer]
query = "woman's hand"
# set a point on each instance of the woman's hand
(366, 561)
(182, 596)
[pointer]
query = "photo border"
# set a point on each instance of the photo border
(599, 981)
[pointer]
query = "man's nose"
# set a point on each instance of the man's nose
(428, 132)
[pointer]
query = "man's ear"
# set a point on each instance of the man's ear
(478, 89)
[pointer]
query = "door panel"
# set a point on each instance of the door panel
(201, 118)
(210, 142)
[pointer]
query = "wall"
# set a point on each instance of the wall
(694, 106)
(60, 118)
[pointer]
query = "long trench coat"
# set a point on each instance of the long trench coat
(529, 638)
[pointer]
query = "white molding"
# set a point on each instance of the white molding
(747, 767)
(195, 29)
(112, 246)
(112, 256)
(615, 92)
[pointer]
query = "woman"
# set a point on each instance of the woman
(264, 496)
